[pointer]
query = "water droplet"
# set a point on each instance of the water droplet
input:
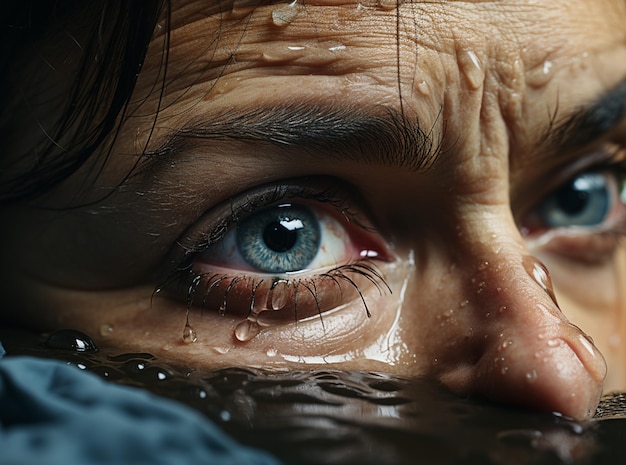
(464, 303)
(540, 275)
(483, 265)
(222, 309)
(221, 350)
(71, 339)
(472, 69)
(531, 376)
(588, 344)
(554, 342)
(504, 370)
(241, 8)
(189, 334)
(106, 330)
(271, 352)
(547, 67)
(505, 345)
(560, 366)
(278, 295)
(502, 309)
(423, 88)
(540, 75)
(225, 415)
(336, 48)
(284, 15)
(202, 394)
(246, 330)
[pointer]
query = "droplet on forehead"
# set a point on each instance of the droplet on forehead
(472, 69)
(540, 75)
(284, 15)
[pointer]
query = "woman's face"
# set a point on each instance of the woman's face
(356, 185)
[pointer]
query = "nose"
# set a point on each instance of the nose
(503, 337)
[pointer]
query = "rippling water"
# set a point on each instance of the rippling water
(337, 417)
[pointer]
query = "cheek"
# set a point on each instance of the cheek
(594, 299)
(341, 338)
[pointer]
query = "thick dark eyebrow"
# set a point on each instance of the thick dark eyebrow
(380, 136)
(587, 123)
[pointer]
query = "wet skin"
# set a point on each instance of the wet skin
(428, 123)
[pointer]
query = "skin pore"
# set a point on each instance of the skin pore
(428, 138)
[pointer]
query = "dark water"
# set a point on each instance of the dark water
(334, 417)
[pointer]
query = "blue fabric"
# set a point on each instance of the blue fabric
(52, 413)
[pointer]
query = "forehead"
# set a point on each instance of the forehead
(254, 53)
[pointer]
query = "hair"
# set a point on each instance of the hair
(111, 38)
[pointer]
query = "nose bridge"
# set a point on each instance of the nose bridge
(513, 343)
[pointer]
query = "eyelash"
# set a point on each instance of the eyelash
(252, 296)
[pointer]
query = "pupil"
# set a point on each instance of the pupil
(571, 200)
(278, 238)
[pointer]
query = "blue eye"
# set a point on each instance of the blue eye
(279, 239)
(585, 201)
(283, 239)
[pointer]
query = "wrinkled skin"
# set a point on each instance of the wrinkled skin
(485, 79)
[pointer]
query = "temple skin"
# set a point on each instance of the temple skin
(485, 81)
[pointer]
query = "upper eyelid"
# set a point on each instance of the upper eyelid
(609, 156)
(214, 224)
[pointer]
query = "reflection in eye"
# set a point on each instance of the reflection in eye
(302, 256)
(584, 201)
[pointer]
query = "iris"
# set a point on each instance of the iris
(584, 201)
(279, 239)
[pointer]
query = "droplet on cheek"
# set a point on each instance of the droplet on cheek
(189, 334)
(278, 295)
(70, 339)
(246, 330)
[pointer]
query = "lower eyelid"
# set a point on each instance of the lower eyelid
(283, 300)
(589, 247)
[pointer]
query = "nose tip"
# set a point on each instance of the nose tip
(560, 371)
(529, 354)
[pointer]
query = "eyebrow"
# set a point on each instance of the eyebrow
(587, 123)
(380, 136)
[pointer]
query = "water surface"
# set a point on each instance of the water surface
(338, 417)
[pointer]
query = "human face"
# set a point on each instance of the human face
(440, 157)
